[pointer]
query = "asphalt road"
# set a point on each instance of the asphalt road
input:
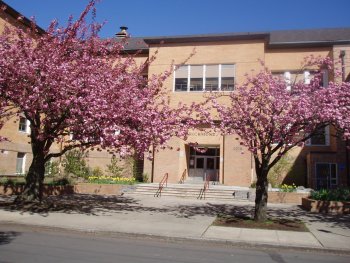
(25, 244)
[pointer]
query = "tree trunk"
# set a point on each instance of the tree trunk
(33, 189)
(261, 194)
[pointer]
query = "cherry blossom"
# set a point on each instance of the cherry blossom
(68, 81)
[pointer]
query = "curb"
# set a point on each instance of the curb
(115, 234)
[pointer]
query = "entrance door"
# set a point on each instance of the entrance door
(204, 163)
(210, 171)
(200, 167)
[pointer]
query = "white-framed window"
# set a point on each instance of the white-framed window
(291, 77)
(20, 163)
(321, 138)
(192, 78)
(24, 125)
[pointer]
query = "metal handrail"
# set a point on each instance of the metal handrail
(161, 185)
(182, 179)
(205, 188)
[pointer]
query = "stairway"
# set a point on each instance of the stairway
(215, 192)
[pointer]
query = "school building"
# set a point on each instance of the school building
(219, 64)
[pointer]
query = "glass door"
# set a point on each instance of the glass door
(210, 170)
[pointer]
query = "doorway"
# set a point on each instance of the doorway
(204, 163)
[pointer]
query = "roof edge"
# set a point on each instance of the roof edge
(205, 38)
(15, 14)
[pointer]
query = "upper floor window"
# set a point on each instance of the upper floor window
(23, 125)
(205, 78)
(321, 138)
(291, 77)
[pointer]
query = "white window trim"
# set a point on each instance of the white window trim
(23, 163)
(287, 79)
(203, 77)
(307, 77)
(27, 126)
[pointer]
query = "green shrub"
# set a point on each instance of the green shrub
(51, 169)
(11, 182)
(282, 167)
(145, 178)
(113, 168)
(74, 163)
(340, 194)
(60, 181)
(288, 188)
(253, 184)
(97, 171)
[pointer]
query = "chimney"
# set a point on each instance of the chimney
(123, 33)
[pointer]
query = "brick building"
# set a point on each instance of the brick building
(219, 64)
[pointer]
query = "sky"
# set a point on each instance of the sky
(186, 17)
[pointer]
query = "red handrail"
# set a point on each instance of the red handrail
(205, 188)
(182, 179)
(161, 185)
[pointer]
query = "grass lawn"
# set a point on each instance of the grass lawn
(271, 223)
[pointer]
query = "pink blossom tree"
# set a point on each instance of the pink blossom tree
(69, 81)
(270, 119)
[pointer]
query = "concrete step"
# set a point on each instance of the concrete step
(215, 192)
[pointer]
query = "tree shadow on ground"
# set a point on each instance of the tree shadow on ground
(6, 237)
(98, 205)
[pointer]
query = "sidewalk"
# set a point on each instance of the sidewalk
(181, 218)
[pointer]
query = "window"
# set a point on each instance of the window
(321, 138)
(212, 78)
(227, 77)
(326, 175)
(20, 164)
(23, 125)
(292, 77)
(196, 78)
(324, 78)
(193, 78)
(181, 78)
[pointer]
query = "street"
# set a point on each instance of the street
(28, 244)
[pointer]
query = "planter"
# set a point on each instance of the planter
(282, 197)
(332, 207)
(286, 197)
(101, 189)
(48, 189)
(84, 188)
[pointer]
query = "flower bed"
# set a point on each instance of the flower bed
(111, 180)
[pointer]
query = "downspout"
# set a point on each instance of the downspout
(223, 159)
(152, 172)
(347, 168)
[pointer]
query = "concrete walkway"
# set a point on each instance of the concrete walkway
(180, 218)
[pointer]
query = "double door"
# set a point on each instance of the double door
(204, 166)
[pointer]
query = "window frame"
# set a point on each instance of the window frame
(23, 165)
(204, 78)
(25, 125)
(327, 139)
(329, 179)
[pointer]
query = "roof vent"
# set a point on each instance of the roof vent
(123, 32)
